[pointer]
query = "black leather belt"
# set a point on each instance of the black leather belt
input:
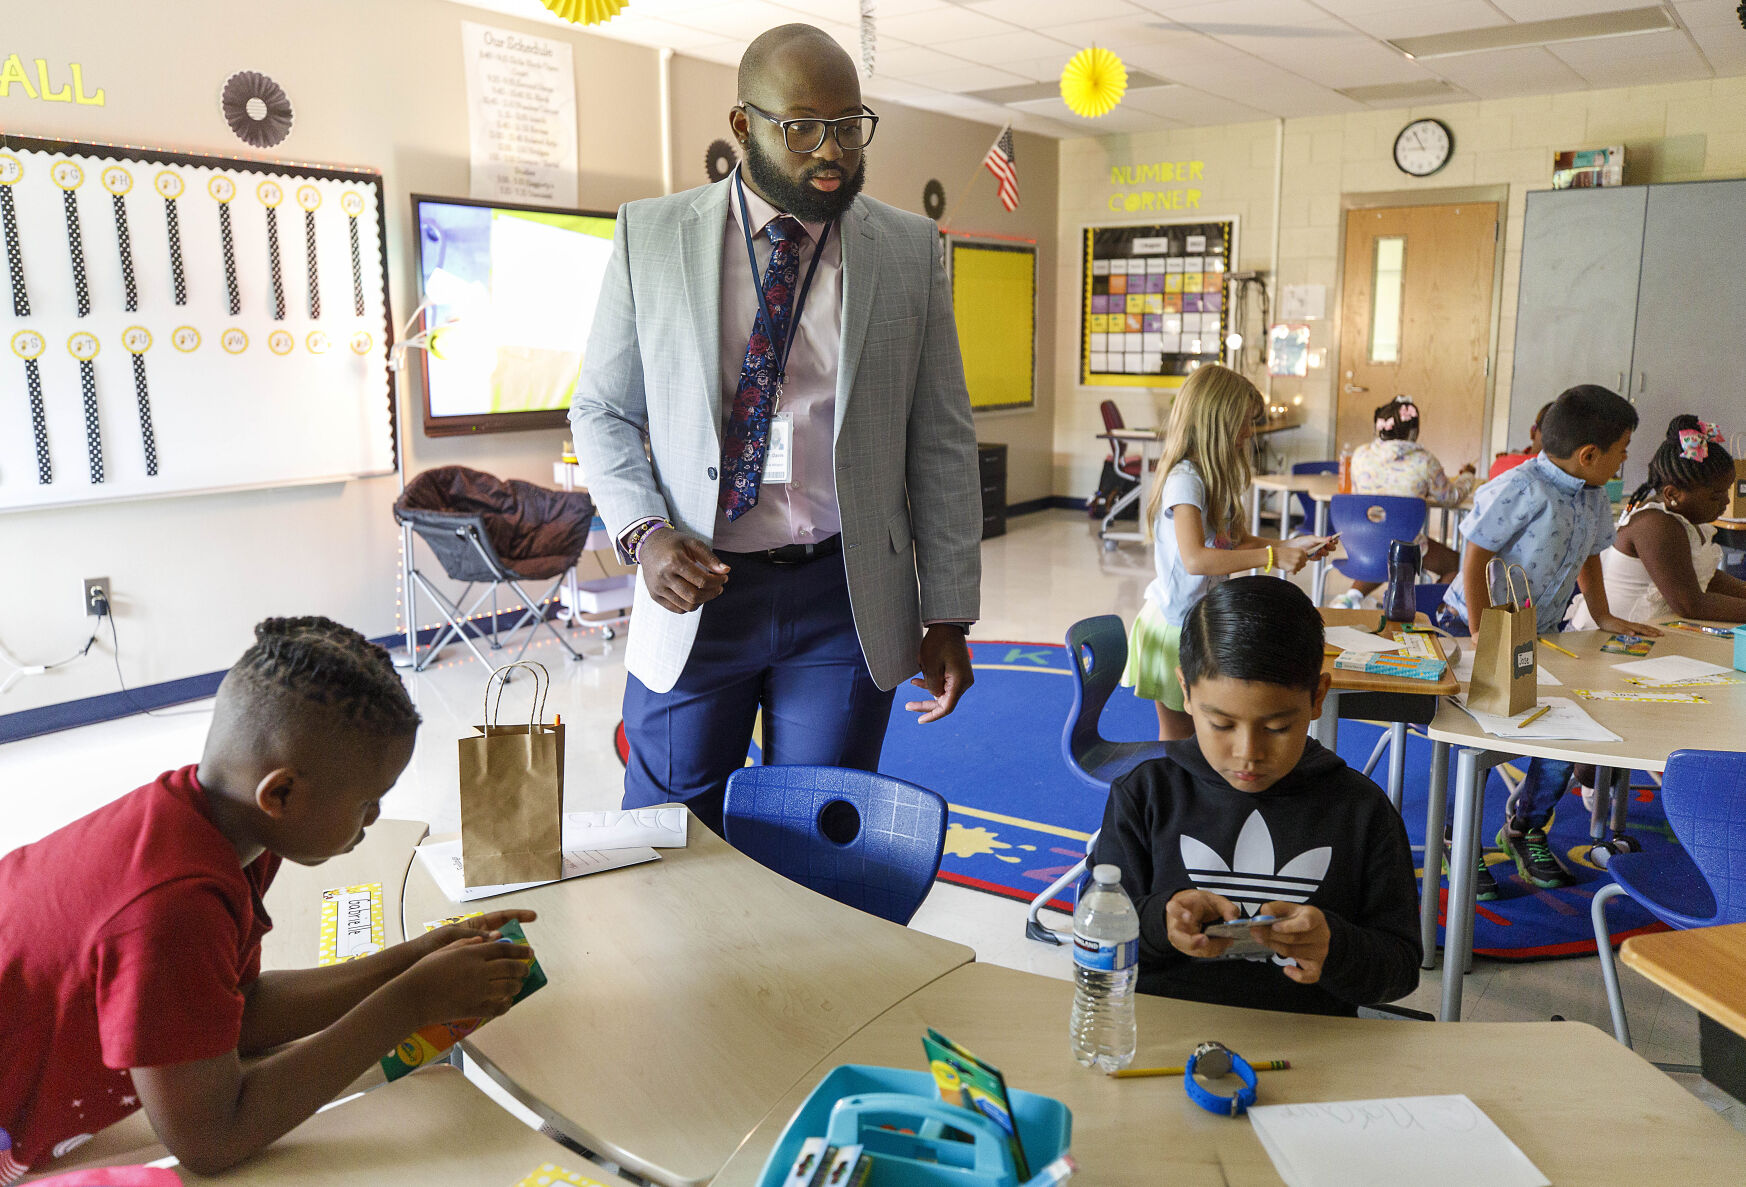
(790, 554)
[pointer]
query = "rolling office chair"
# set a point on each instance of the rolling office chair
(1126, 469)
(868, 840)
(1700, 883)
(1099, 648)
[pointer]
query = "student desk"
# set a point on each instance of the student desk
(1704, 967)
(432, 1128)
(1147, 1131)
(1151, 444)
(1650, 731)
(685, 997)
(294, 898)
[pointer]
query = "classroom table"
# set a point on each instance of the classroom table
(294, 898)
(1705, 967)
(1397, 700)
(431, 1128)
(1583, 1108)
(1651, 731)
(685, 997)
(1151, 443)
(1731, 533)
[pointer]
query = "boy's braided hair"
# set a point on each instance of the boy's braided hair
(1686, 462)
(320, 661)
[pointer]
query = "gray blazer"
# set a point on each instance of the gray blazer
(908, 488)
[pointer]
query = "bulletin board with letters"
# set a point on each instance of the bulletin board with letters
(1153, 301)
(173, 324)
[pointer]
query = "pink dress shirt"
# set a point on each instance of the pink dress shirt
(804, 509)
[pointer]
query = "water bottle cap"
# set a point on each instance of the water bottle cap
(1106, 875)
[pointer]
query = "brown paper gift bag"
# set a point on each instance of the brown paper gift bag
(1504, 664)
(512, 792)
(1737, 501)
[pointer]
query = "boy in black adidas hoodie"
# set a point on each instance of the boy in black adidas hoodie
(1252, 817)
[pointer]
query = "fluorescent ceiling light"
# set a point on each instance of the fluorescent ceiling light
(1030, 92)
(1403, 92)
(1531, 33)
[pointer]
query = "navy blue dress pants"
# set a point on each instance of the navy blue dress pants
(779, 638)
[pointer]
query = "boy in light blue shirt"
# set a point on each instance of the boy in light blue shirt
(1551, 517)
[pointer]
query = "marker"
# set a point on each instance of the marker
(1058, 1171)
(1531, 718)
(1545, 642)
(1131, 1073)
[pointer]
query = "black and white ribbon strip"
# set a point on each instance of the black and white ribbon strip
(145, 415)
(173, 224)
(314, 272)
(357, 270)
(45, 471)
(273, 264)
(229, 242)
(76, 249)
(14, 259)
(93, 430)
(125, 246)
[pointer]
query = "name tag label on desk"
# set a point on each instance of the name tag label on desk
(351, 923)
(779, 452)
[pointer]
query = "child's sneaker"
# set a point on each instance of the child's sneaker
(1484, 885)
(1534, 857)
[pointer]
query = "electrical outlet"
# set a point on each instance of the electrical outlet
(97, 595)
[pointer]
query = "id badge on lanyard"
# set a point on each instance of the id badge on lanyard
(779, 452)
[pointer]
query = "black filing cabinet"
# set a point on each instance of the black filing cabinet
(991, 462)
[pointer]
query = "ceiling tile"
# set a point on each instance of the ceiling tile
(734, 19)
(1123, 119)
(1708, 14)
(1266, 18)
(1422, 20)
(1042, 69)
(1545, 10)
(1633, 61)
(1725, 48)
(1193, 107)
(941, 25)
(904, 61)
(968, 77)
(1341, 61)
(1016, 46)
(1117, 33)
(1040, 14)
(1501, 73)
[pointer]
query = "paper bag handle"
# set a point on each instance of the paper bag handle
(1518, 599)
(537, 711)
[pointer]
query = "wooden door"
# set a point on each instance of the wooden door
(1415, 319)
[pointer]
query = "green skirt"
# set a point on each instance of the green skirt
(1152, 659)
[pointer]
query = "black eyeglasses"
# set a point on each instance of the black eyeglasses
(853, 132)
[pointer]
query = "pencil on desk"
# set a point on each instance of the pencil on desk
(1545, 642)
(1130, 1073)
(1531, 718)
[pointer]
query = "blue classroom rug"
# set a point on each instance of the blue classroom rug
(1018, 819)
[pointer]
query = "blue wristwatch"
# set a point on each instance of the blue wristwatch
(1215, 1061)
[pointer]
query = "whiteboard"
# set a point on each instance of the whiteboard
(282, 390)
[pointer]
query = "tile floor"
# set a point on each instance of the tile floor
(1049, 570)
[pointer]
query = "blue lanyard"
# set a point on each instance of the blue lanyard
(800, 298)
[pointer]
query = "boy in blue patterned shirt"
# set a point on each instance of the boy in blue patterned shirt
(1550, 516)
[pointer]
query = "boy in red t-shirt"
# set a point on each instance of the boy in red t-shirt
(130, 941)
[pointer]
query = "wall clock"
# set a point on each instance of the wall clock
(1423, 147)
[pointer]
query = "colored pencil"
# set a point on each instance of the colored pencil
(1130, 1073)
(1545, 642)
(1531, 718)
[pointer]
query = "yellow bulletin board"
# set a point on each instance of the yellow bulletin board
(994, 301)
(1153, 301)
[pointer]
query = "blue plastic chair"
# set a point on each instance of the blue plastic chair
(1099, 650)
(1366, 541)
(1306, 504)
(1702, 883)
(867, 840)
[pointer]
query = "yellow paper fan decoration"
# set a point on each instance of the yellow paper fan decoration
(1093, 82)
(585, 12)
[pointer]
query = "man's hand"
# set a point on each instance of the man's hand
(484, 927)
(680, 570)
(1190, 910)
(946, 675)
(1620, 626)
(1301, 932)
(469, 978)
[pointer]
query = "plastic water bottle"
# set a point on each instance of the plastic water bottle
(1345, 486)
(1401, 604)
(1106, 955)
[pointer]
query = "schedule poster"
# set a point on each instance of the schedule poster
(1154, 302)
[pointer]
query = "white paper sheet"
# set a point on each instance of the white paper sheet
(1429, 1141)
(443, 860)
(1565, 719)
(1664, 669)
(1352, 639)
(659, 828)
(1462, 666)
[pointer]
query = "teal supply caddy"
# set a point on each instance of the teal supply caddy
(1740, 649)
(874, 1106)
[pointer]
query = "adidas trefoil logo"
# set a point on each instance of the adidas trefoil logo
(1250, 879)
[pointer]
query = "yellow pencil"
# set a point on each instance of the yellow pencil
(1129, 1073)
(1545, 642)
(1531, 718)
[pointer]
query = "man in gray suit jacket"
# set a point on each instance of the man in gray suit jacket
(772, 419)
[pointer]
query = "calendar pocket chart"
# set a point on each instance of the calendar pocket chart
(174, 324)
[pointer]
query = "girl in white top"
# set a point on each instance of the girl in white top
(1664, 563)
(1195, 519)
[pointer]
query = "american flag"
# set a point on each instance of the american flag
(999, 162)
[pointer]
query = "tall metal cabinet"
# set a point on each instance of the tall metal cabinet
(1641, 289)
